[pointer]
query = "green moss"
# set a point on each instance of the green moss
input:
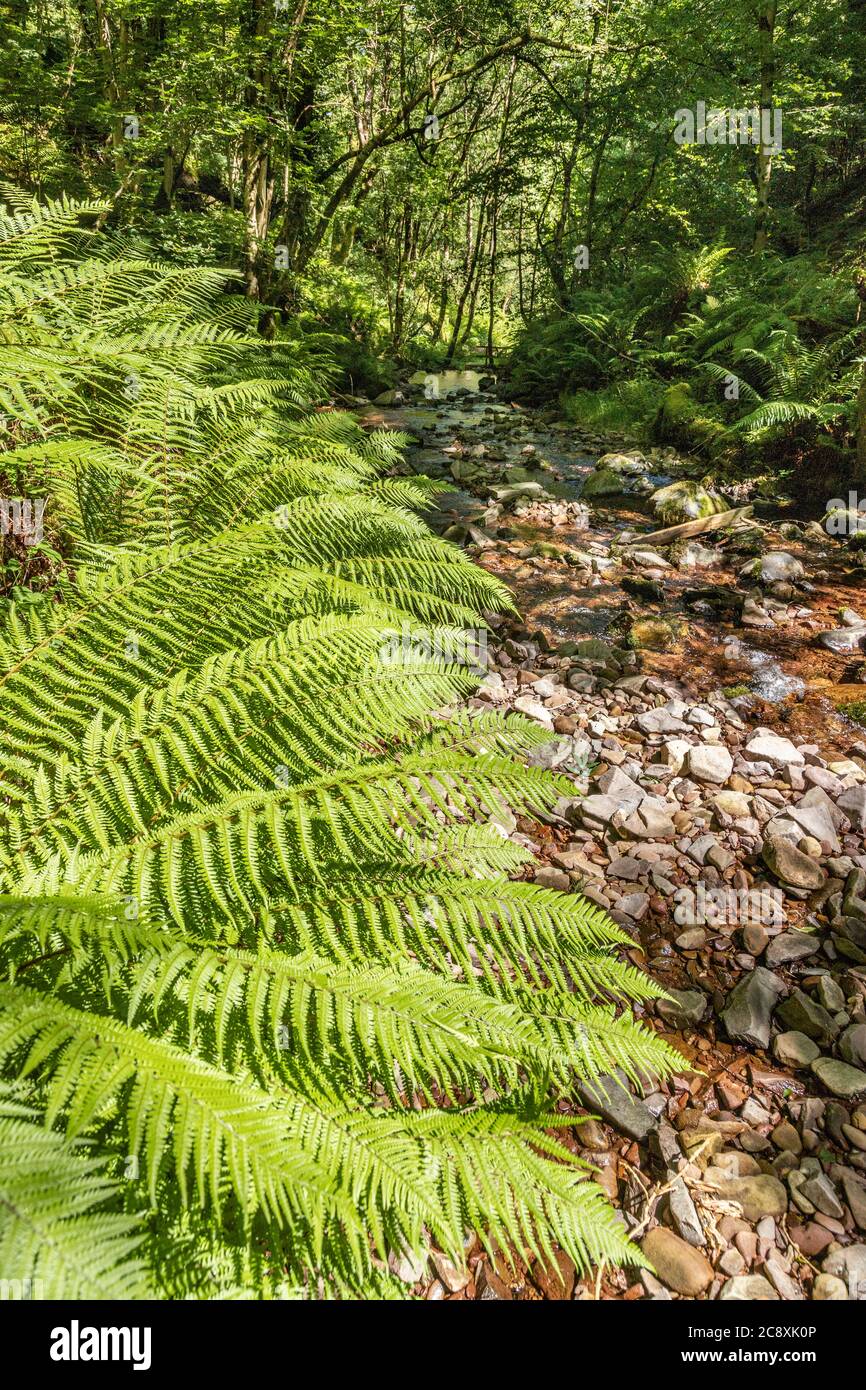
(731, 692)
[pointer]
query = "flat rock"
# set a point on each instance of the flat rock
(852, 1045)
(710, 762)
(766, 747)
(616, 1104)
(660, 721)
(806, 1015)
(853, 803)
(749, 1007)
(791, 945)
(840, 1078)
(795, 1049)
(759, 1196)
(685, 1006)
(748, 1288)
(791, 865)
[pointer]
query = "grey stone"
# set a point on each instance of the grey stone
(795, 1049)
(840, 1078)
(853, 803)
(660, 721)
(616, 1104)
(852, 1045)
(791, 945)
(822, 1194)
(685, 1006)
(749, 1007)
(766, 747)
(830, 995)
(684, 1214)
(804, 1015)
(710, 762)
(748, 1288)
(777, 566)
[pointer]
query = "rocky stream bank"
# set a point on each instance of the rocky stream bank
(690, 652)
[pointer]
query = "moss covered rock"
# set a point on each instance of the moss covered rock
(686, 501)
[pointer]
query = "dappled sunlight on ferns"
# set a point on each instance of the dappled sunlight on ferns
(273, 1003)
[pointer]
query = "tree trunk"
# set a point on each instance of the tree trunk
(766, 30)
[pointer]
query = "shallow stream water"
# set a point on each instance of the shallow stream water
(797, 681)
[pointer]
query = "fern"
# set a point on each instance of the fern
(260, 947)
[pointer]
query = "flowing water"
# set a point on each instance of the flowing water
(450, 418)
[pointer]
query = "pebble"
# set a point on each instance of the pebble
(679, 1265)
(748, 1288)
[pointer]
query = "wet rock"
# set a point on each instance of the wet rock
(654, 634)
(686, 501)
(747, 1288)
(679, 1265)
(749, 1007)
(693, 555)
(844, 639)
(840, 1078)
(795, 1049)
(777, 566)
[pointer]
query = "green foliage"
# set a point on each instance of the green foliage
(261, 953)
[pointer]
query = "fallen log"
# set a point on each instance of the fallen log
(686, 529)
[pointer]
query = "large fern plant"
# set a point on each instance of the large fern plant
(275, 1007)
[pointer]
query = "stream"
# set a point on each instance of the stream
(695, 701)
(791, 681)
